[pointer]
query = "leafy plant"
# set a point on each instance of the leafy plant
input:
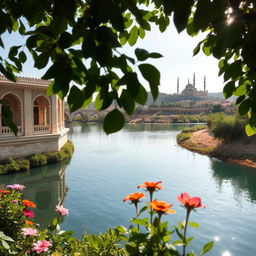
(82, 43)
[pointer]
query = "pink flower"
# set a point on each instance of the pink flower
(29, 231)
(15, 201)
(190, 202)
(41, 246)
(16, 186)
(61, 210)
(28, 213)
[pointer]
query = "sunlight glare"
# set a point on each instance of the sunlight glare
(226, 253)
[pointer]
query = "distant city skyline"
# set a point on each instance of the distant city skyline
(177, 61)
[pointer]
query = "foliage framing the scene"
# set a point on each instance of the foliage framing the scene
(83, 42)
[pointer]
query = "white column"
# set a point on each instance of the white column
(28, 113)
(54, 114)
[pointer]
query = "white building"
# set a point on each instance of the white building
(39, 118)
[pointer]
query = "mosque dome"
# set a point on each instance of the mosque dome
(189, 86)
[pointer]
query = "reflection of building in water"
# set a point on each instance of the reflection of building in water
(191, 90)
(45, 187)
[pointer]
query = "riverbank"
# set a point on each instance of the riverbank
(241, 151)
(11, 165)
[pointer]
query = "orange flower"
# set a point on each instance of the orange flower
(2, 191)
(134, 198)
(151, 186)
(190, 202)
(161, 207)
(28, 203)
(28, 222)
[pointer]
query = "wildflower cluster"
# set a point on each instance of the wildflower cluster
(21, 234)
(156, 238)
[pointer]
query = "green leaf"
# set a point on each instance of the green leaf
(182, 11)
(127, 102)
(41, 60)
(113, 121)
(142, 54)
(8, 74)
(240, 99)
(133, 36)
(142, 96)
(244, 107)
(152, 75)
(141, 32)
(207, 247)
(5, 245)
(55, 222)
(193, 224)
(75, 98)
(228, 89)
(241, 90)
(250, 130)
(142, 222)
(96, 241)
(22, 57)
(7, 117)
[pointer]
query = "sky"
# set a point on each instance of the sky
(178, 60)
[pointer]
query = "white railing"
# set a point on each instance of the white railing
(6, 131)
(41, 128)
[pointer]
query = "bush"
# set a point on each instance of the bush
(2, 169)
(53, 157)
(11, 165)
(181, 137)
(38, 160)
(226, 127)
(24, 164)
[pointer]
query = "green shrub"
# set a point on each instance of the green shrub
(53, 157)
(181, 137)
(11, 165)
(38, 160)
(194, 128)
(24, 164)
(2, 169)
(226, 127)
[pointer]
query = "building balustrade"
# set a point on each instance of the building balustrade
(41, 129)
(5, 130)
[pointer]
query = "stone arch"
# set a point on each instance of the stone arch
(15, 104)
(41, 113)
(81, 114)
(67, 117)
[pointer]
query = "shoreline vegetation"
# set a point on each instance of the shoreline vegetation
(200, 139)
(11, 165)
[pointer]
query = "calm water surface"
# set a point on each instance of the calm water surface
(104, 169)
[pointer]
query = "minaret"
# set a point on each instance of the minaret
(188, 81)
(194, 80)
(178, 86)
(204, 83)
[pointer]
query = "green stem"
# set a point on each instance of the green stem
(151, 210)
(137, 213)
(158, 233)
(185, 233)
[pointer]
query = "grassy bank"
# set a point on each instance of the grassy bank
(11, 165)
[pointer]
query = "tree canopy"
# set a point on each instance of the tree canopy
(83, 40)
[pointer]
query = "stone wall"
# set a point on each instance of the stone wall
(18, 147)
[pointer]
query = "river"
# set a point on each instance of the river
(104, 169)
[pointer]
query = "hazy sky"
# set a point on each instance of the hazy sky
(177, 50)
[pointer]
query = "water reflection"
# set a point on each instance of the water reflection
(243, 180)
(45, 186)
